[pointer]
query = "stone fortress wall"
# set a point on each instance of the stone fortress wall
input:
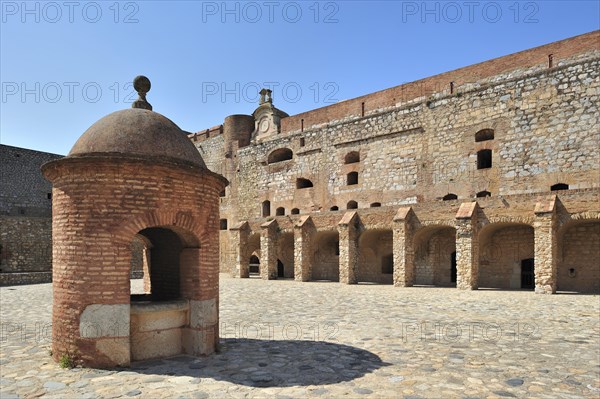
(462, 178)
(25, 217)
(486, 176)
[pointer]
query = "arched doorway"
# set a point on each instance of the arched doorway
(435, 256)
(375, 250)
(326, 259)
(506, 252)
(254, 265)
(285, 255)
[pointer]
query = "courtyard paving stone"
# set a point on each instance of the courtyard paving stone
(284, 339)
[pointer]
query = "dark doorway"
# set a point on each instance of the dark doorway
(387, 264)
(527, 275)
(254, 265)
(453, 267)
(279, 268)
(164, 264)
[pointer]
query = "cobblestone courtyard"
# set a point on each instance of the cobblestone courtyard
(286, 339)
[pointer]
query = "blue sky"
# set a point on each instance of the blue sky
(64, 64)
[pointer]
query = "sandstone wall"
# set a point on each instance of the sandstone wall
(543, 135)
(581, 252)
(502, 254)
(417, 144)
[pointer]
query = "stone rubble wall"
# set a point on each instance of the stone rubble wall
(25, 250)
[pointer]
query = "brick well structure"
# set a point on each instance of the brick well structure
(134, 175)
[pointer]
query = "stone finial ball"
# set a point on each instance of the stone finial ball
(141, 84)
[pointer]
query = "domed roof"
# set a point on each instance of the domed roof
(137, 131)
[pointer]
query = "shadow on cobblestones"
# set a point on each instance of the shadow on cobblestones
(271, 363)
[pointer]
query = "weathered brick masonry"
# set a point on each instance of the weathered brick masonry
(492, 181)
(134, 176)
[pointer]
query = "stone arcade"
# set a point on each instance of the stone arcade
(486, 176)
(134, 175)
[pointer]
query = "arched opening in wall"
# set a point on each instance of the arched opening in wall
(449, 197)
(222, 224)
(303, 183)
(280, 155)
(253, 248)
(352, 205)
(174, 278)
(559, 186)
(435, 256)
(484, 194)
(285, 255)
(334, 208)
(326, 258)
(280, 211)
(140, 263)
(375, 249)
(484, 135)
(375, 205)
(352, 157)
(164, 267)
(506, 255)
(254, 265)
(295, 211)
(266, 208)
(578, 255)
(484, 159)
(352, 178)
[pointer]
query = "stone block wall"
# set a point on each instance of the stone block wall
(543, 123)
(25, 211)
(25, 250)
(23, 189)
(325, 265)
(433, 258)
(419, 145)
(581, 253)
(536, 58)
(373, 247)
(502, 254)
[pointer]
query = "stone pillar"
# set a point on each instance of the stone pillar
(349, 232)
(545, 245)
(268, 250)
(404, 251)
(304, 232)
(238, 238)
(467, 246)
